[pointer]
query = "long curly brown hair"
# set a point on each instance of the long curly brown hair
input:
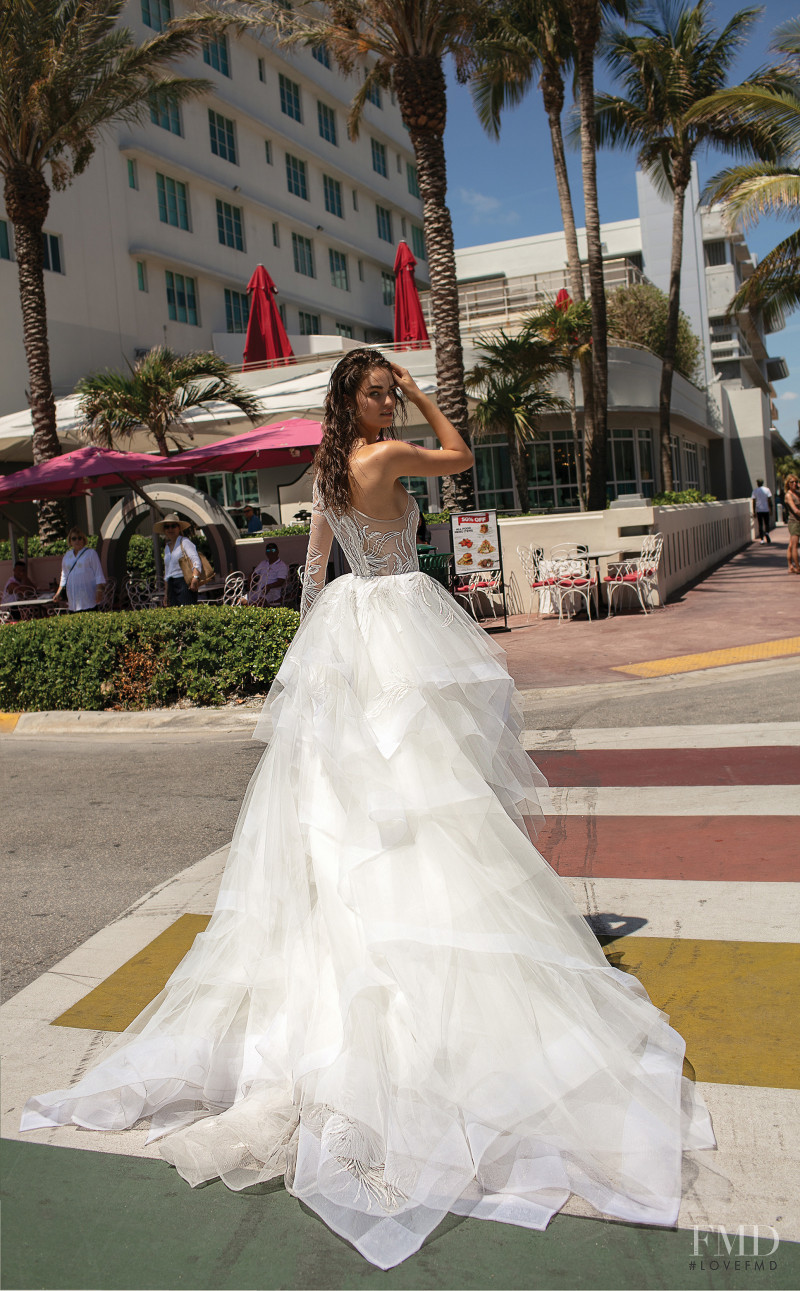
(341, 428)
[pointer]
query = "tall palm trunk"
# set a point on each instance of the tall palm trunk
(421, 94)
(573, 418)
(518, 452)
(680, 177)
(552, 84)
(585, 16)
(27, 198)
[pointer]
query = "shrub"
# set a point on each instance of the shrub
(686, 495)
(203, 653)
(638, 314)
(282, 531)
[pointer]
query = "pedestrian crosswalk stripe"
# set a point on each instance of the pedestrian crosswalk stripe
(747, 735)
(684, 800)
(732, 1001)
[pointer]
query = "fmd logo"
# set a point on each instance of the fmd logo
(743, 1249)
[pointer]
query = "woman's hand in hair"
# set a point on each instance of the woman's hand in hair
(405, 382)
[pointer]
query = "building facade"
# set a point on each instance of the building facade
(156, 241)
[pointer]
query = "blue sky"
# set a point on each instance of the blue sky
(506, 188)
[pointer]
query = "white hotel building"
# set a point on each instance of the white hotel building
(156, 241)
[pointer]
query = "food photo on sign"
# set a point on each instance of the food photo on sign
(476, 544)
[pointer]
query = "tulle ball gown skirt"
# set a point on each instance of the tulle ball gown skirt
(396, 1005)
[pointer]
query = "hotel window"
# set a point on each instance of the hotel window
(646, 463)
(215, 53)
(268, 151)
(345, 329)
(418, 242)
(173, 202)
(133, 174)
(379, 158)
(53, 259)
(164, 112)
(333, 196)
(5, 241)
(309, 324)
(296, 176)
(399, 163)
(716, 253)
(222, 135)
(276, 234)
(282, 312)
(338, 266)
(320, 52)
(373, 93)
(705, 476)
(181, 298)
(493, 474)
(290, 97)
(326, 118)
(384, 218)
(141, 275)
(677, 473)
(622, 474)
(361, 271)
(261, 69)
(413, 179)
(355, 200)
(387, 287)
(551, 477)
(156, 13)
(692, 480)
(230, 226)
(403, 227)
(237, 310)
(303, 254)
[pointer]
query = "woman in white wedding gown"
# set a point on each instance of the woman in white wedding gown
(396, 1006)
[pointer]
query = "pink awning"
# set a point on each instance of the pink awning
(409, 322)
(74, 473)
(278, 445)
(266, 336)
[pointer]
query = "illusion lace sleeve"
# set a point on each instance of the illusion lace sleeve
(319, 548)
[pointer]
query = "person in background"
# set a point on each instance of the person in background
(791, 511)
(423, 532)
(268, 578)
(82, 575)
(176, 590)
(252, 520)
(762, 503)
(19, 586)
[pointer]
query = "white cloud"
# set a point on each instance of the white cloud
(787, 394)
(485, 207)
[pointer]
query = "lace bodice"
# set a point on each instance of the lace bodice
(373, 548)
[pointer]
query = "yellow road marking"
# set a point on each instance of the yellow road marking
(114, 1004)
(733, 1002)
(712, 658)
(8, 721)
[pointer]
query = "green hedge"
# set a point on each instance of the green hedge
(204, 653)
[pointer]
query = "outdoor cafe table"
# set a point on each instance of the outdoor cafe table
(39, 603)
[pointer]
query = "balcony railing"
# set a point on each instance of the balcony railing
(501, 301)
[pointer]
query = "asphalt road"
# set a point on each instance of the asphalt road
(93, 822)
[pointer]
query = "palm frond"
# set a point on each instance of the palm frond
(774, 288)
(749, 192)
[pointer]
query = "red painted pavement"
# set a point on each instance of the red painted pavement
(738, 848)
(774, 765)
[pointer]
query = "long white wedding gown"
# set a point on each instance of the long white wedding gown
(396, 1005)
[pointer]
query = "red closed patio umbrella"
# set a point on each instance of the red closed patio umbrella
(409, 323)
(266, 339)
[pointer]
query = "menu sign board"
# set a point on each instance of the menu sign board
(476, 542)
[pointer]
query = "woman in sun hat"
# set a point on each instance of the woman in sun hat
(176, 590)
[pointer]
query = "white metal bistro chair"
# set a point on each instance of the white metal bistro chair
(141, 593)
(640, 574)
(573, 579)
(540, 583)
(109, 592)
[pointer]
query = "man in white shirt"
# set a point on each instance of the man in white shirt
(176, 590)
(268, 578)
(81, 575)
(762, 502)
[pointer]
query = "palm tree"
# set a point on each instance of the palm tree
(511, 380)
(676, 61)
(518, 40)
(66, 71)
(402, 44)
(155, 396)
(765, 188)
(567, 324)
